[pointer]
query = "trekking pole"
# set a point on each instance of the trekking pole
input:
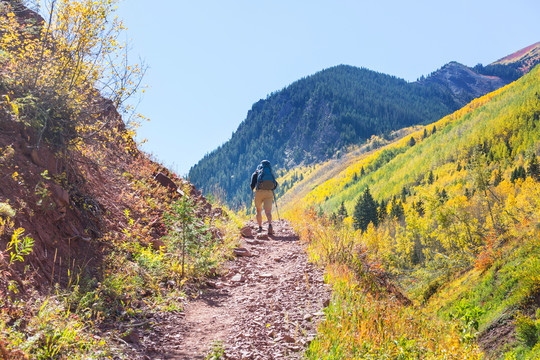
(277, 210)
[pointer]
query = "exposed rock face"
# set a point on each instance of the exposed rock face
(464, 84)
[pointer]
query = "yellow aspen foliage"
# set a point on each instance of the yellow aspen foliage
(60, 71)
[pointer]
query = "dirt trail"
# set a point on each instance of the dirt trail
(266, 307)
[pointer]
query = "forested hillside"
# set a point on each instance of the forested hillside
(315, 118)
(451, 214)
(312, 119)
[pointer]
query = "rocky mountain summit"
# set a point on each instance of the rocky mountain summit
(464, 83)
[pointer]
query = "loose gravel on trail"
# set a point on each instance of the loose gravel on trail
(267, 306)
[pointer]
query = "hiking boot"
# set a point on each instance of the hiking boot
(270, 230)
(259, 230)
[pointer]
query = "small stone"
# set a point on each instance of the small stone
(326, 303)
(288, 338)
(253, 242)
(262, 237)
(131, 337)
(307, 317)
(319, 313)
(238, 278)
(242, 252)
(266, 275)
(246, 231)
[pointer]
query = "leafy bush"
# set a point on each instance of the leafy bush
(527, 330)
(58, 72)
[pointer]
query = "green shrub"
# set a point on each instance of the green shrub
(526, 330)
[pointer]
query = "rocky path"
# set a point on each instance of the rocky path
(267, 306)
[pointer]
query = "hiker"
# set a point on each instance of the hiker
(264, 183)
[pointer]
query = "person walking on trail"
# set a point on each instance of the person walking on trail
(264, 183)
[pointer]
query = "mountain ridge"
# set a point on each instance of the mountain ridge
(526, 58)
(315, 117)
(464, 83)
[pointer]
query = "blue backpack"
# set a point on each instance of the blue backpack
(265, 176)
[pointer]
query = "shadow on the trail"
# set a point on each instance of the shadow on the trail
(213, 297)
(285, 238)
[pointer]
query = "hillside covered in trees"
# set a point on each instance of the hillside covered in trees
(451, 213)
(312, 119)
(315, 118)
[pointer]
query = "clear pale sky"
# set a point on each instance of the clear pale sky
(209, 61)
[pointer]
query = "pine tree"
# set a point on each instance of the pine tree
(412, 142)
(533, 169)
(430, 178)
(443, 196)
(425, 135)
(334, 218)
(498, 177)
(404, 193)
(381, 212)
(365, 211)
(397, 211)
(419, 207)
(518, 173)
(362, 172)
(342, 212)
(433, 130)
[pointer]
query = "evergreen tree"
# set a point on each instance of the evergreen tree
(412, 142)
(433, 130)
(430, 178)
(381, 212)
(518, 173)
(362, 172)
(397, 211)
(342, 212)
(425, 135)
(355, 177)
(443, 196)
(404, 193)
(365, 211)
(498, 177)
(419, 207)
(532, 168)
(458, 167)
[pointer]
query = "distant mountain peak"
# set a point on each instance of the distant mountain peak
(464, 83)
(525, 58)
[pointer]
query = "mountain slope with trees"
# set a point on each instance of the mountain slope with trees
(315, 118)
(450, 213)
